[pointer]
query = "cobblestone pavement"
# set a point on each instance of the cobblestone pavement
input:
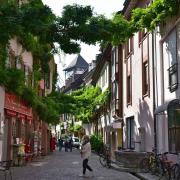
(65, 166)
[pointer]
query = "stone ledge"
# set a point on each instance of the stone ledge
(129, 159)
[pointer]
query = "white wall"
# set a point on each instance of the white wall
(141, 108)
(104, 74)
(168, 40)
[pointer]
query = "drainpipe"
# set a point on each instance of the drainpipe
(154, 83)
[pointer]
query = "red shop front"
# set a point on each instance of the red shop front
(18, 123)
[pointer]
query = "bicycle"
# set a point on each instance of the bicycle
(105, 156)
(151, 163)
(166, 167)
(175, 171)
(160, 165)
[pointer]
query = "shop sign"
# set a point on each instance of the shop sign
(29, 118)
(21, 116)
(16, 104)
(117, 125)
(11, 113)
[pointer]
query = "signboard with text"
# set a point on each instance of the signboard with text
(15, 103)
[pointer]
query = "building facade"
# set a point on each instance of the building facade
(167, 46)
(138, 94)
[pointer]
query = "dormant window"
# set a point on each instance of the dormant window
(129, 84)
(145, 78)
(142, 35)
(129, 47)
(170, 55)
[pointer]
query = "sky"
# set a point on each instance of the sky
(105, 7)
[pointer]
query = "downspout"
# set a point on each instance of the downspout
(154, 91)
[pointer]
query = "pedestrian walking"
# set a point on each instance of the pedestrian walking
(66, 144)
(85, 154)
(70, 144)
(60, 144)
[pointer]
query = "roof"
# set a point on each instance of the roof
(76, 84)
(79, 62)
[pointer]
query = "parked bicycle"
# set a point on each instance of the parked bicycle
(160, 165)
(105, 156)
(151, 163)
(175, 170)
(166, 167)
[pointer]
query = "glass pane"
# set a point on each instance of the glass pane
(173, 79)
(171, 48)
(177, 142)
(171, 118)
(172, 134)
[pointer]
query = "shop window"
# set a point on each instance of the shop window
(130, 125)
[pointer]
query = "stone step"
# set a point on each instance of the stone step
(120, 167)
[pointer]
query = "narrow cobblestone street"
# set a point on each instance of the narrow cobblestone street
(65, 166)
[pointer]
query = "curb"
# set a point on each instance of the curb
(135, 172)
(139, 176)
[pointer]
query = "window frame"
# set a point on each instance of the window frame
(129, 47)
(129, 82)
(130, 132)
(129, 92)
(145, 78)
(171, 71)
(145, 63)
(173, 129)
(142, 35)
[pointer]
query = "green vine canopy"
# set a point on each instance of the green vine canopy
(37, 29)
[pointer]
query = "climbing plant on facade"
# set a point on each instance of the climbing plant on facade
(86, 101)
(77, 24)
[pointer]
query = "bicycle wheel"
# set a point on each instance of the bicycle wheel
(175, 172)
(144, 165)
(103, 160)
(108, 163)
(157, 167)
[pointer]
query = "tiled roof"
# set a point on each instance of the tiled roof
(78, 62)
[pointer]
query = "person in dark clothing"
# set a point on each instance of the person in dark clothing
(70, 144)
(66, 145)
(60, 144)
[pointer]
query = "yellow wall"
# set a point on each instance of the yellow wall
(119, 137)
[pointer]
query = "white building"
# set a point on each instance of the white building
(167, 72)
(138, 127)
